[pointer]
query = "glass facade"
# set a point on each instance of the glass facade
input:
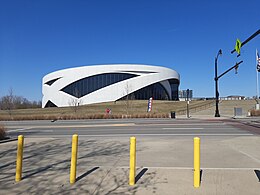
(174, 83)
(52, 81)
(49, 104)
(87, 85)
(157, 91)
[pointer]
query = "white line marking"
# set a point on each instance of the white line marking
(232, 169)
(15, 130)
(194, 124)
(38, 131)
(189, 168)
(177, 134)
(75, 126)
(30, 130)
(211, 168)
(126, 135)
(249, 156)
(181, 128)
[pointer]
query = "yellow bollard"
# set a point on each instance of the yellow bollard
(73, 164)
(196, 162)
(132, 161)
(19, 159)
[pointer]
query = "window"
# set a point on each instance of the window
(52, 81)
(157, 91)
(174, 83)
(49, 104)
(87, 85)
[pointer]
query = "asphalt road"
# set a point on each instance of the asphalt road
(127, 127)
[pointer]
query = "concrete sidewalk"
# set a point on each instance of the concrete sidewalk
(230, 165)
(250, 121)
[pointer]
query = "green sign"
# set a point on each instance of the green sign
(238, 46)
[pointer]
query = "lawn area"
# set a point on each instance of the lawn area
(132, 108)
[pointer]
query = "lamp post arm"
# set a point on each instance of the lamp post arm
(236, 65)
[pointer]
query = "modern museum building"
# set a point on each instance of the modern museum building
(106, 83)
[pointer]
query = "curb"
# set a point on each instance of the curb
(250, 124)
(8, 140)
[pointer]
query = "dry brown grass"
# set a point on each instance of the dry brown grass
(137, 109)
(2, 132)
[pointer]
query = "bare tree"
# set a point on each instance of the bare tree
(11, 101)
(8, 101)
(75, 102)
(128, 98)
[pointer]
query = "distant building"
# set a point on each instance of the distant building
(108, 83)
(184, 94)
(233, 97)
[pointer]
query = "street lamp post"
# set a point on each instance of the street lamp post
(188, 102)
(216, 83)
(233, 67)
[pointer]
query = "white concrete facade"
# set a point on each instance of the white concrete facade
(53, 83)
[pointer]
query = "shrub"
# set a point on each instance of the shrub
(255, 112)
(74, 116)
(2, 132)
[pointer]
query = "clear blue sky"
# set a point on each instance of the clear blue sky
(39, 37)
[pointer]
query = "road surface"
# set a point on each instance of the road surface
(128, 127)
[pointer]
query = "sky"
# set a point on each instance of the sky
(39, 37)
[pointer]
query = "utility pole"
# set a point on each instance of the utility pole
(216, 80)
(216, 83)
(237, 48)
(188, 102)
